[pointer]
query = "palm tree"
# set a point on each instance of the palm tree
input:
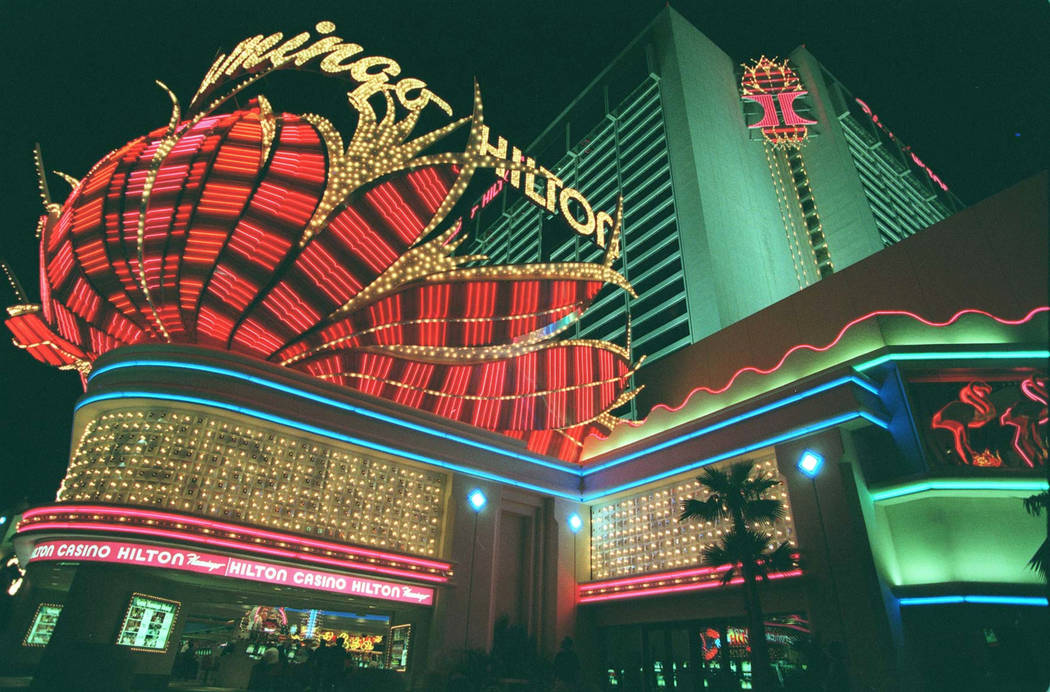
(734, 495)
(1040, 562)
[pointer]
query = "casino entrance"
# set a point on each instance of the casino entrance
(223, 629)
(710, 654)
(160, 628)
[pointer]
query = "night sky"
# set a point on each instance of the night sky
(962, 82)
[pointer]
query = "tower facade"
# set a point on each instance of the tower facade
(734, 197)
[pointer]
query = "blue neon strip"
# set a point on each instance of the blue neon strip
(995, 600)
(325, 433)
(990, 484)
(860, 381)
(791, 434)
(742, 417)
(571, 468)
(948, 355)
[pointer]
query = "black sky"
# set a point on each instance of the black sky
(964, 83)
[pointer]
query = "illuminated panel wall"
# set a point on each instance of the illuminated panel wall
(903, 194)
(195, 461)
(625, 153)
(640, 533)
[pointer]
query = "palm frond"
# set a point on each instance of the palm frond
(1040, 562)
(756, 486)
(715, 480)
(716, 556)
(710, 509)
(780, 559)
(763, 510)
(1035, 504)
(740, 472)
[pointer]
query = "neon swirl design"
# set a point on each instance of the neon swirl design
(827, 347)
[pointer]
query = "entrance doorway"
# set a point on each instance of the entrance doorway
(702, 655)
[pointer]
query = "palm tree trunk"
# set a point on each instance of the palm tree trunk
(761, 677)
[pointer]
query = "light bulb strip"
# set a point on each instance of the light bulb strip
(677, 588)
(230, 545)
(100, 511)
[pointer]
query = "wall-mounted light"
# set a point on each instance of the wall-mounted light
(477, 499)
(575, 522)
(810, 463)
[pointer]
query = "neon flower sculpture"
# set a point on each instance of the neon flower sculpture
(265, 233)
(775, 85)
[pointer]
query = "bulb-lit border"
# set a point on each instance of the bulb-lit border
(174, 617)
(219, 534)
(664, 583)
(33, 622)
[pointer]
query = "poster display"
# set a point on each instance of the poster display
(148, 623)
(43, 626)
(400, 637)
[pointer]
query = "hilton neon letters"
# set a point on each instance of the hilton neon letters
(120, 553)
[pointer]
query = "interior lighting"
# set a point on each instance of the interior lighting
(575, 522)
(477, 499)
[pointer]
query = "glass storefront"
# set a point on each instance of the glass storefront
(702, 655)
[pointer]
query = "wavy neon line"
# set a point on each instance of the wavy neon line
(820, 349)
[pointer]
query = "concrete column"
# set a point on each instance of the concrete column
(842, 588)
(469, 597)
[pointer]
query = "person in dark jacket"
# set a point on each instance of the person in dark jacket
(567, 665)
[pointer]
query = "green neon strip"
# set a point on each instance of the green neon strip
(949, 355)
(987, 484)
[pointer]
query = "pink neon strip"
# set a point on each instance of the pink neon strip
(231, 528)
(820, 349)
(639, 593)
(652, 578)
(236, 545)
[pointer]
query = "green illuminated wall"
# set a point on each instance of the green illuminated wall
(955, 536)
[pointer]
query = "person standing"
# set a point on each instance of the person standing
(566, 667)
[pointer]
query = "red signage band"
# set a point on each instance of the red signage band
(144, 555)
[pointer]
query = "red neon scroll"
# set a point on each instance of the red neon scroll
(1026, 417)
(972, 410)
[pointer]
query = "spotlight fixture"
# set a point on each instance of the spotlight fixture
(477, 499)
(810, 463)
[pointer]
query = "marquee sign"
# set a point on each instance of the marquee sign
(259, 55)
(182, 560)
(270, 234)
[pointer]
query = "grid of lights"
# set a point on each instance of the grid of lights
(209, 465)
(640, 534)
